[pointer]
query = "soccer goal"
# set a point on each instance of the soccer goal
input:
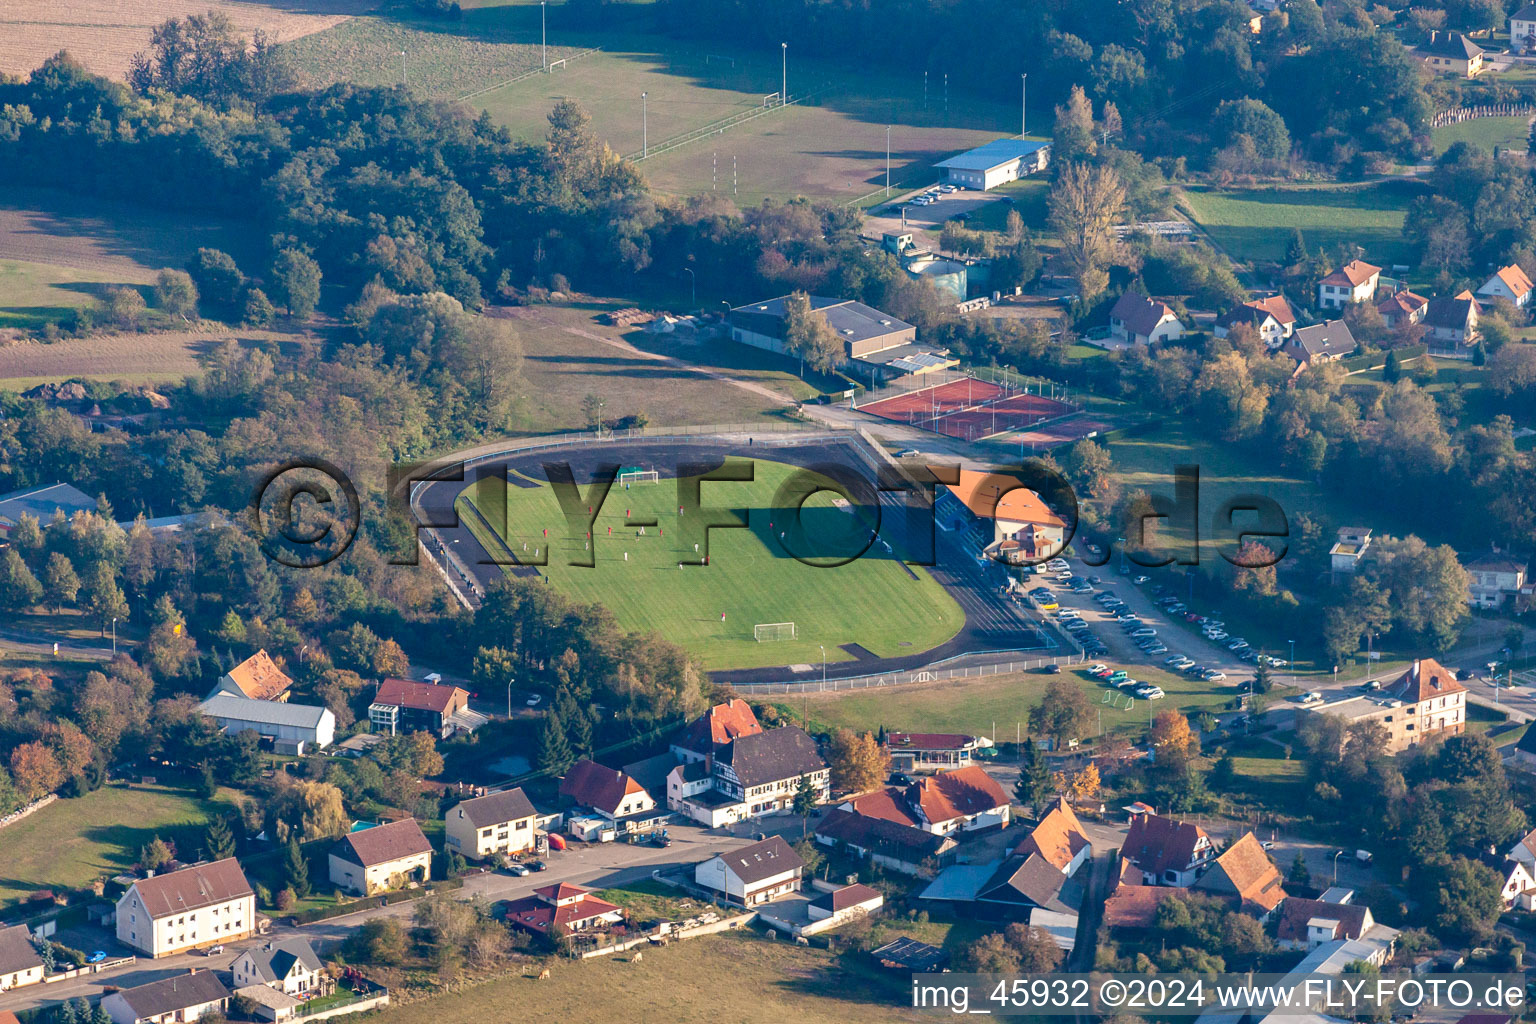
(773, 99)
(557, 65)
(715, 58)
(638, 476)
(765, 631)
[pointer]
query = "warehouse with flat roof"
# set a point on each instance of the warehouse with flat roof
(995, 163)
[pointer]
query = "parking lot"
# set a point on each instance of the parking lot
(887, 218)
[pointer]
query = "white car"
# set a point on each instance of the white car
(1147, 691)
(1215, 677)
(535, 700)
(1139, 580)
(519, 869)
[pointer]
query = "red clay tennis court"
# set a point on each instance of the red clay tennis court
(968, 409)
(1059, 432)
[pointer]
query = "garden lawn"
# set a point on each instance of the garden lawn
(71, 842)
(872, 600)
(1255, 224)
(1266, 777)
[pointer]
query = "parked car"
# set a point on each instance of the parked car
(534, 701)
(1139, 580)
(1215, 676)
(519, 869)
(1147, 691)
(538, 865)
(1052, 669)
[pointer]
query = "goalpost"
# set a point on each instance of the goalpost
(767, 631)
(773, 99)
(557, 64)
(638, 476)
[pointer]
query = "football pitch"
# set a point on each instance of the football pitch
(844, 589)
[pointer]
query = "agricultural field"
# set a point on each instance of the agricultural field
(149, 358)
(777, 982)
(873, 600)
(1255, 224)
(105, 34)
(1487, 132)
(60, 252)
(71, 842)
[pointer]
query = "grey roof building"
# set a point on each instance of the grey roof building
(1320, 343)
(41, 503)
(184, 997)
(291, 727)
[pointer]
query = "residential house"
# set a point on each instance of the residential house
(1059, 839)
(932, 751)
(715, 728)
(1518, 888)
(610, 793)
(562, 905)
(754, 874)
(42, 504)
(1306, 924)
(1424, 702)
(287, 965)
(404, 705)
(1138, 320)
(1496, 578)
(1167, 851)
(1244, 873)
(176, 1000)
(201, 905)
(1271, 317)
(1320, 343)
(1522, 29)
(487, 825)
(293, 728)
(20, 963)
(1349, 549)
(1451, 53)
(1524, 850)
(887, 844)
(1451, 324)
(1402, 306)
(256, 678)
(1132, 905)
(763, 770)
(381, 857)
(845, 903)
(1510, 283)
(1015, 888)
(1355, 281)
(963, 800)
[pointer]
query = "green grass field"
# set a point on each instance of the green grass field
(1487, 132)
(873, 600)
(71, 842)
(1256, 223)
(998, 706)
(1265, 776)
(32, 294)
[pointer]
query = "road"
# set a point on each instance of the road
(596, 866)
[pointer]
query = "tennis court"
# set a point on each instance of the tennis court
(1060, 431)
(968, 409)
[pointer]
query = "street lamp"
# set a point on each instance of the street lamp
(823, 665)
(1023, 86)
(543, 36)
(114, 636)
(693, 286)
(645, 126)
(784, 74)
(1293, 660)
(509, 698)
(402, 68)
(1336, 857)
(887, 161)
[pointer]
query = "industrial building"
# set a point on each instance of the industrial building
(996, 163)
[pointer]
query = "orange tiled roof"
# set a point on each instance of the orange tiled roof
(1354, 273)
(999, 496)
(1246, 870)
(1057, 838)
(1425, 678)
(259, 678)
(955, 794)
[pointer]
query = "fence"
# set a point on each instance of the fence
(1456, 115)
(383, 899)
(928, 674)
(717, 127)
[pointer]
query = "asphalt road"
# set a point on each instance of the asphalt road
(595, 866)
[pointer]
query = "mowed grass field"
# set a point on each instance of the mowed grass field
(1255, 224)
(567, 356)
(738, 977)
(873, 600)
(977, 704)
(33, 294)
(70, 842)
(1487, 132)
